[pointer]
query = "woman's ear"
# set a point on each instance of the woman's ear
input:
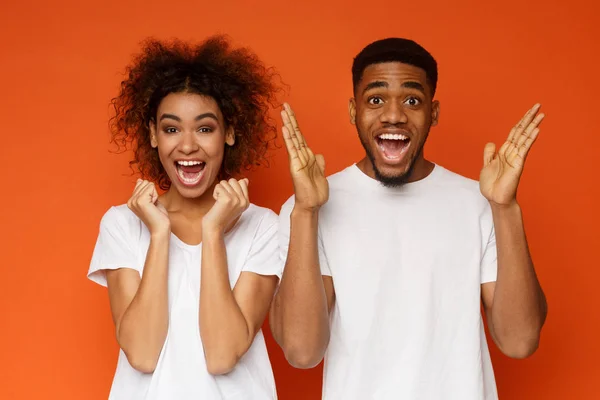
(153, 140)
(230, 136)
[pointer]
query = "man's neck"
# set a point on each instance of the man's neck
(420, 169)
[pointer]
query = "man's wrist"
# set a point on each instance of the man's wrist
(506, 210)
(301, 212)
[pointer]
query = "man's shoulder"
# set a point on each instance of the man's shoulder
(453, 179)
(342, 177)
(453, 184)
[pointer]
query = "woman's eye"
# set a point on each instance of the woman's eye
(171, 130)
(205, 129)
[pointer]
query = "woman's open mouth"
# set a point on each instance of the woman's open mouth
(190, 172)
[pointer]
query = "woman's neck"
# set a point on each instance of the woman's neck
(194, 208)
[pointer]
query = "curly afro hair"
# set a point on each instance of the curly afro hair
(242, 86)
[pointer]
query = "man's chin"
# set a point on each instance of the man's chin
(392, 180)
(393, 176)
(388, 172)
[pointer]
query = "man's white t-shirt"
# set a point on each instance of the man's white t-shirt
(407, 265)
(181, 371)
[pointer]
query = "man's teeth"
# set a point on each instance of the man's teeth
(189, 163)
(393, 136)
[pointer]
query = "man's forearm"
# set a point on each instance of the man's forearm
(300, 317)
(519, 306)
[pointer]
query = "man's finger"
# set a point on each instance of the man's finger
(533, 125)
(294, 138)
(289, 144)
(488, 153)
(288, 124)
(529, 115)
(320, 162)
(295, 126)
(526, 146)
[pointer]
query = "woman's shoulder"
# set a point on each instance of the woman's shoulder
(122, 218)
(255, 220)
(120, 213)
(260, 215)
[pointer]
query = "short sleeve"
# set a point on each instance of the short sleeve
(263, 258)
(284, 238)
(115, 246)
(489, 259)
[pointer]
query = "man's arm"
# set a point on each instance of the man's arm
(300, 311)
(515, 304)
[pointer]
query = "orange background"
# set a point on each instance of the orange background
(62, 62)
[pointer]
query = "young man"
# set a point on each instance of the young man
(389, 259)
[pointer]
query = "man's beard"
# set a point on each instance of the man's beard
(396, 180)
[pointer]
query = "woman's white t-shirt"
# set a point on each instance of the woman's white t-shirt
(181, 371)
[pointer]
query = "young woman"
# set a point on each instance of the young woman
(191, 273)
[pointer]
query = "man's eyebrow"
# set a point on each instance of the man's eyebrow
(414, 85)
(375, 85)
(382, 84)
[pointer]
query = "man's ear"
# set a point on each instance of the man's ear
(352, 110)
(435, 112)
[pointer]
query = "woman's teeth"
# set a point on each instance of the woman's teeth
(189, 172)
(189, 163)
(192, 180)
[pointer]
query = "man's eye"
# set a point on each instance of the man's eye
(375, 101)
(412, 101)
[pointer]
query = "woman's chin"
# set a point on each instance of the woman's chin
(191, 191)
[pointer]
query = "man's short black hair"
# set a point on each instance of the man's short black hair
(395, 49)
